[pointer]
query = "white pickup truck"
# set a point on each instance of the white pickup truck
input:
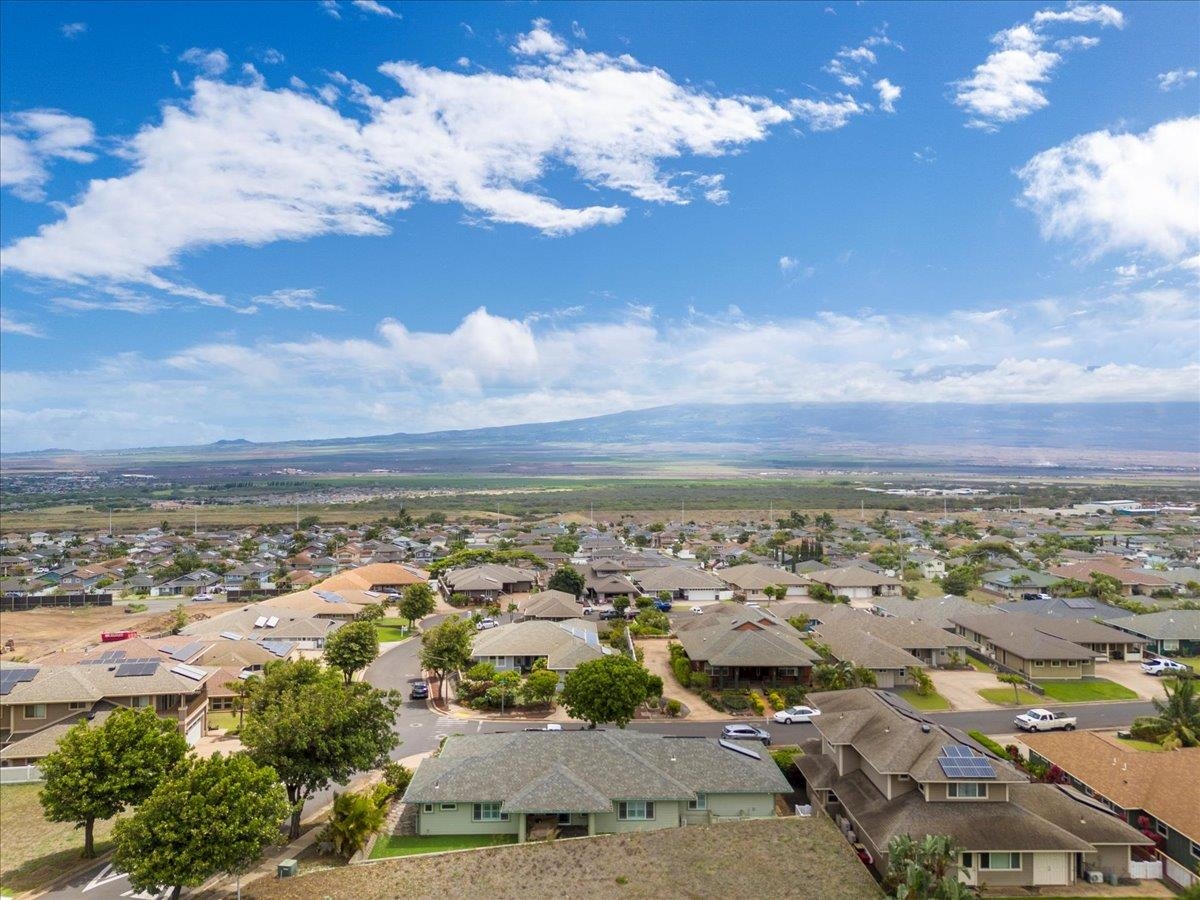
(1044, 720)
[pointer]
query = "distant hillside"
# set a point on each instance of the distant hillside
(768, 434)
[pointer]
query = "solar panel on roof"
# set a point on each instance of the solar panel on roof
(187, 651)
(260, 621)
(273, 621)
(231, 636)
(956, 750)
(189, 672)
(10, 678)
(736, 748)
(1079, 603)
(966, 767)
(330, 596)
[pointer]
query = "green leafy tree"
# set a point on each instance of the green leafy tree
(180, 619)
(97, 771)
(961, 580)
(352, 648)
(620, 604)
(1015, 680)
(924, 870)
(566, 543)
(207, 817)
(540, 686)
(418, 602)
(922, 683)
(505, 686)
(568, 579)
(314, 729)
(1178, 717)
(654, 621)
(355, 817)
(842, 675)
(609, 689)
(372, 612)
(447, 648)
(243, 689)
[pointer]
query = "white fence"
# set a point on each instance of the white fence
(19, 774)
(1147, 870)
(1178, 874)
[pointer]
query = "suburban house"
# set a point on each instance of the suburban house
(685, 584)
(749, 580)
(1017, 581)
(574, 783)
(1065, 608)
(1174, 632)
(1162, 787)
(1018, 646)
(858, 583)
(516, 646)
(847, 642)
(342, 606)
(1104, 641)
(605, 580)
(932, 646)
(488, 582)
(748, 646)
(253, 623)
(1133, 582)
(880, 770)
(934, 611)
(930, 565)
(34, 698)
(392, 577)
(553, 605)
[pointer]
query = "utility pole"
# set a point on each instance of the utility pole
(110, 521)
(862, 510)
(297, 515)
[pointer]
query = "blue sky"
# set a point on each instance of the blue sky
(295, 220)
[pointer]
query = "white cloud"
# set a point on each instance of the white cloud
(273, 57)
(483, 140)
(211, 62)
(1007, 85)
(888, 94)
(377, 9)
(578, 32)
(540, 41)
(925, 155)
(788, 264)
(127, 302)
(1110, 191)
(827, 115)
(30, 140)
(463, 62)
(72, 30)
(331, 8)
(1176, 78)
(293, 298)
(11, 325)
(491, 369)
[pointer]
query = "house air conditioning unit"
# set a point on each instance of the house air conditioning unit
(1095, 877)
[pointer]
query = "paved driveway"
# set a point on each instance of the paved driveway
(1130, 675)
(961, 687)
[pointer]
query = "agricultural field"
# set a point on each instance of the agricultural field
(786, 857)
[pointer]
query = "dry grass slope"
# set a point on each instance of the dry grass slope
(795, 858)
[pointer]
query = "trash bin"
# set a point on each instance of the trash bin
(287, 869)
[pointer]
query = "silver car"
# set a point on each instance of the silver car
(746, 733)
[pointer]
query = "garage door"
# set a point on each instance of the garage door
(195, 731)
(1051, 868)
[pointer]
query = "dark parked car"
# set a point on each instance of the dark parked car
(419, 691)
(606, 614)
(662, 605)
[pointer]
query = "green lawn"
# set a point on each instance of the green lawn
(1145, 746)
(35, 851)
(931, 703)
(978, 665)
(1192, 661)
(226, 721)
(1084, 691)
(1003, 696)
(410, 845)
(391, 629)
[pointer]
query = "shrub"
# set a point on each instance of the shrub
(711, 699)
(793, 694)
(643, 602)
(735, 699)
(701, 681)
(756, 703)
(674, 708)
(397, 777)
(683, 672)
(459, 600)
(982, 739)
(654, 686)
(776, 700)
(785, 757)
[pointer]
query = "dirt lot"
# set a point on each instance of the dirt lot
(38, 632)
(788, 857)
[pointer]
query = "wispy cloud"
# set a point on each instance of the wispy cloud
(294, 299)
(1176, 78)
(31, 140)
(12, 325)
(888, 94)
(211, 62)
(375, 9)
(331, 8)
(72, 30)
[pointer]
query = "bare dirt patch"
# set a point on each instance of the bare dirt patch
(791, 857)
(38, 632)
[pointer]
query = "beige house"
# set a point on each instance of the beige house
(376, 577)
(516, 646)
(931, 645)
(1021, 647)
(858, 584)
(552, 605)
(749, 580)
(880, 771)
(574, 783)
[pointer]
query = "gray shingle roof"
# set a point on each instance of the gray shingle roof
(570, 771)
(564, 644)
(1013, 635)
(745, 639)
(677, 578)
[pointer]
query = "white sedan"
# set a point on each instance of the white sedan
(697, 609)
(794, 714)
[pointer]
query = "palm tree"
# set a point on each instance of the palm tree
(1178, 717)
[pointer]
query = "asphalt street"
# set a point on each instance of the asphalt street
(420, 729)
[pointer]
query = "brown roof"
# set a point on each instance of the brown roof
(363, 577)
(1083, 571)
(1165, 785)
(1014, 635)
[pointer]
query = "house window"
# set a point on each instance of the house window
(35, 711)
(77, 704)
(1158, 826)
(139, 702)
(449, 807)
(564, 818)
(968, 861)
(903, 776)
(1196, 850)
(969, 790)
(635, 810)
(1055, 664)
(1000, 862)
(787, 671)
(488, 812)
(701, 802)
(427, 808)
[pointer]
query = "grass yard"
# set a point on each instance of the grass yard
(36, 851)
(1003, 696)
(1144, 746)
(978, 665)
(1085, 691)
(931, 703)
(224, 720)
(391, 629)
(806, 859)
(1191, 661)
(412, 845)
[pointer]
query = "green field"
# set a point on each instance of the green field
(931, 703)
(392, 629)
(1086, 691)
(36, 852)
(411, 845)
(1003, 696)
